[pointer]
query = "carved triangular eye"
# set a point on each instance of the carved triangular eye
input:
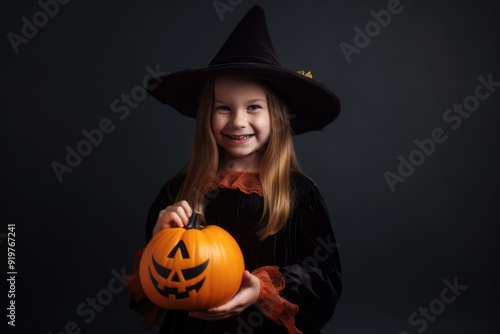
(162, 271)
(191, 273)
(180, 245)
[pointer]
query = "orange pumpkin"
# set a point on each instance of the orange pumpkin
(191, 268)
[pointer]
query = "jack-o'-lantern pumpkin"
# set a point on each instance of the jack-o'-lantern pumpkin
(191, 268)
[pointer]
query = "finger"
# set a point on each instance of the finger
(187, 208)
(250, 279)
(163, 212)
(181, 212)
(233, 303)
(171, 219)
(222, 308)
(212, 316)
(247, 277)
(165, 215)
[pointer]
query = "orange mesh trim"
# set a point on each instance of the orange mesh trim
(247, 182)
(149, 311)
(270, 303)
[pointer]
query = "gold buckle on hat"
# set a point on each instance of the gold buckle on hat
(308, 74)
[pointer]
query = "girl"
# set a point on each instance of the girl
(243, 175)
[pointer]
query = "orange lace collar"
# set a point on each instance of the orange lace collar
(247, 182)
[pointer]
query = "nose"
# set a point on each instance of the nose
(239, 120)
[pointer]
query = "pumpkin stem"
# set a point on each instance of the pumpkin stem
(194, 221)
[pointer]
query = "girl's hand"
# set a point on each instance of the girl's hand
(174, 215)
(247, 296)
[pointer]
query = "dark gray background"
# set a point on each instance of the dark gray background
(397, 248)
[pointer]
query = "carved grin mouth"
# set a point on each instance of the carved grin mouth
(166, 291)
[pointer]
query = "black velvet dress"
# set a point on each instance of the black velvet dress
(304, 251)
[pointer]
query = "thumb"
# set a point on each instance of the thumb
(247, 277)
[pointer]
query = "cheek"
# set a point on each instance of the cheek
(264, 125)
(216, 126)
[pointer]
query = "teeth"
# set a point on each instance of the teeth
(241, 137)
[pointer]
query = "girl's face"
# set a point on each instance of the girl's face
(240, 121)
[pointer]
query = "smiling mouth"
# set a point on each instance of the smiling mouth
(239, 137)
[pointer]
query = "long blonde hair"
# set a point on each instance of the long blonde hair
(278, 161)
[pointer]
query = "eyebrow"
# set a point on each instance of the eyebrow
(248, 101)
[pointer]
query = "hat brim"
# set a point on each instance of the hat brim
(311, 105)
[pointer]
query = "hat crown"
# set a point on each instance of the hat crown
(249, 51)
(249, 42)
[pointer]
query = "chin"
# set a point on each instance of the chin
(238, 155)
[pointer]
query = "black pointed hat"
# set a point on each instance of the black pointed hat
(249, 51)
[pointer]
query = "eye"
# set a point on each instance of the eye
(254, 107)
(222, 108)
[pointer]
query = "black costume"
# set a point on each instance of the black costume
(302, 258)
(304, 252)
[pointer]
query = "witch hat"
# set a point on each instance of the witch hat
(249, 51)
